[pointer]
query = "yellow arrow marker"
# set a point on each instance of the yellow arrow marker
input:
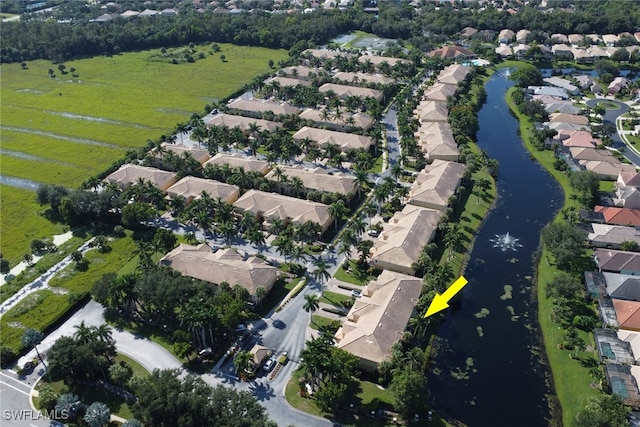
(440, 302)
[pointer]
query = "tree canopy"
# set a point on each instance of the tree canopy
(565, 242)
(527, 75)
(165, 400)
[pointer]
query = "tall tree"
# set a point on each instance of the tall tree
(97, 414)
(31, 338)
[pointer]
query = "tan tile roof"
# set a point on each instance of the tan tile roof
(377, 60)
(262, 106)
(200, 154)
(568, 118)
(288, 81)
(361, 120)
(273, 205)
(436, 140)
(224, 265)
(606, 169)
(326, 54)
(318, 179)
(259, 353)
(238, 161)
(432, 111)
(404, 236)
(450, 52)
(128, 174)
(303, 72)
(379, 317)
(582, 153)
(344, 91)
(436, 184)
(453, 74)
(439, 92)
(243, 123)
(363, 78)
(191, 188)
(324, 137)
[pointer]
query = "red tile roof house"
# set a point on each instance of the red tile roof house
(578, 138)
(454, 52)
(628, 179)
(619, 216)
(628, 314)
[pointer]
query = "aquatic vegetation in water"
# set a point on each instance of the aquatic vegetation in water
(508, 289)
(480, 331)
(484, 312)
(511, 310)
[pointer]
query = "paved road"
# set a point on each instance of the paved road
(610, 116)
(14, 401)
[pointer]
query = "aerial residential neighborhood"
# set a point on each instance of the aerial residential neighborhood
(320, 213)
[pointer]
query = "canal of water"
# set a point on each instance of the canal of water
(488, 369)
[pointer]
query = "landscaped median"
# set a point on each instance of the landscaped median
(572, 380)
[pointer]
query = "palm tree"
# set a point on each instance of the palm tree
(296, 185)
(261, 292)
(396, 171)
(180, 129)
(228, 230)
(311, 304)
(31, 338)
(104, 333)
(321, 272)
(242, 362)
(297, 254)
(358, 225)
(337, 209)
(361, 180)
(97, 415)
(370, 210)
(84, 334)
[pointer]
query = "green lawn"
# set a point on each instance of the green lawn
(606, 186)
(367, 396)
(571, 378)
(334, 298)
(47, 261)
(318, 322)
(41, 309)
(475, 207)
(354, 276)
(38, 310)
(137, 368)
(65, 129)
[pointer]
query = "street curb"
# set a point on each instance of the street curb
(34, 393)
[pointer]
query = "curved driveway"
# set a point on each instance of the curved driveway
(611, 116)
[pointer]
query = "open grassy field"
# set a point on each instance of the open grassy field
(66, 128)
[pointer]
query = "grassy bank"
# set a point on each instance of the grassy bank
(66, 128)
(571, 377)
(43, 308)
